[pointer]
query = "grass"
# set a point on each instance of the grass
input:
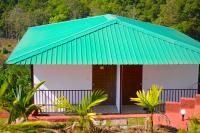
(2, 121)
(135, 121)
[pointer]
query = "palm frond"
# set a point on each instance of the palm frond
(84, 107)
(63, 102)
(91, 116)
(3, 88)
(31, 108)
(97, 97)
(149, 99)
(31, 93)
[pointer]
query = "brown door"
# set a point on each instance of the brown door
(104, 78)
(131, 81)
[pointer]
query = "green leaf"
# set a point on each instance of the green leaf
(149, 99)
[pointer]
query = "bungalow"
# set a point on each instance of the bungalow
(108, 52)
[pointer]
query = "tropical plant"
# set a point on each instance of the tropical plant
(20, 107)
(149, 100)
(15, 76)
(84, 108)
(194, 125)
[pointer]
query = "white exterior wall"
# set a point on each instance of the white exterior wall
(64, 77)
(118, 88)
(61, 77)
(170, 76)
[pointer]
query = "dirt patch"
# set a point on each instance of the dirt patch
(136, 129)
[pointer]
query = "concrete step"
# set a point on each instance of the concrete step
(187, 103)
(197, 99)
(172, 107)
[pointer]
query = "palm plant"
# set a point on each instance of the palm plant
(84, 108)
(21, 107)
(149, 100)
(23, 103)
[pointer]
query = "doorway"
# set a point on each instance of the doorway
(131, 82)
(104, 78)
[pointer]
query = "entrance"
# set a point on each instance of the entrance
(104, 78)
(131, 82)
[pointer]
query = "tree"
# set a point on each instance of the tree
(16, 75)
(58, 11)
(183, 15)
(149, 100)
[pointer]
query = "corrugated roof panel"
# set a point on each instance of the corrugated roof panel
(126, 45)
(121, 45)
(97, 48)
(115, 43)
(110, 41)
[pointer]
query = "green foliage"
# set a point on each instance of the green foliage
(3, 89)
(149, 99)
(16, 93)
(182, 15)
(2, 122)
(16, 16)
(17, 76)
(194, 125)
(4, 51)
(21, 107)
(84, 108)
(33, 127)
(136, 121)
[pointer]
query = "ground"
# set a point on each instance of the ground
(8, 45)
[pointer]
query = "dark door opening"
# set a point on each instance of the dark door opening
(131, 81)
(104, 78)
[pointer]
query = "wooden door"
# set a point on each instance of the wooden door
(104, 78)
(131, 81)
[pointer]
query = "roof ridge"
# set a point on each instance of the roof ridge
(88, 17)
(167, 39)
(69, 38)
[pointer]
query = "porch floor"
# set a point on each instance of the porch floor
(112, 109)
(109, 109)
(132, 109)
(106, 109)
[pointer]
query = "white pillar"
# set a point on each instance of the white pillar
(118, 89)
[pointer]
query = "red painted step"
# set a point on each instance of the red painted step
(187, 103)
(197, 104)
(172, 107)
(4, 114)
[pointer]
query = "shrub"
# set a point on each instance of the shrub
(84, 108)
(4, 51)
(149, 100)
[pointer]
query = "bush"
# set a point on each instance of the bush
(34, 127)
(194, 125)
(4, 51)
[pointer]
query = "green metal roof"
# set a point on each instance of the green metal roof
(106, 39)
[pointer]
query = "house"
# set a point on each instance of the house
(108, 52)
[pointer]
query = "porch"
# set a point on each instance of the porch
(120, 82)
(75, 96)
